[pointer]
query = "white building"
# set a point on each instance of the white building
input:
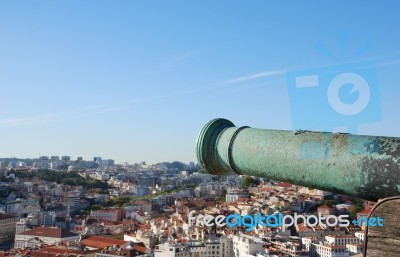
(355, 248)
(342, 239)
(21, 226)
(108, 214)
(246, 246)
(217, 248)
(47, 218)
(22, 207)
(129, 249)
(180, 250)
(233, 195)
(44, 235)
(328, 250)
(360, 235)
(55, 165)
(306, 242)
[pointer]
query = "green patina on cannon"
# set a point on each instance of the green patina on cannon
(367, 167)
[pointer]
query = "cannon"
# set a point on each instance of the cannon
(366, 167)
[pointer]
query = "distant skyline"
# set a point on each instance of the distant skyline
(136, 81)
(75, 158)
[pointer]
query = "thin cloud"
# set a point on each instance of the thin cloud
(76, 112)
(180, 58)
(46, 118)
(280, 72)
(107, 108)
(26, 120)
(388, 63)
(255, 76)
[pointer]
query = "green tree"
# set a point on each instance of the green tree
(96, 207)
(222, 198)
(249, 181)
(84, 212)
(353, 210)
(3, 178)
(330, 203)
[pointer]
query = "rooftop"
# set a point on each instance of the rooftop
(49, 232)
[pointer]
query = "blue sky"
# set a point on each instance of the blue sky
(137, 80)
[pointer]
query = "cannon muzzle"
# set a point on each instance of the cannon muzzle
(367, 167)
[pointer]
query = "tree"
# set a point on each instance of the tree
(222, 198)
(84, 212)
(176, 165)
(249, 181)
(3, 178)
(96, 207)
(330, 203)
(353, 210)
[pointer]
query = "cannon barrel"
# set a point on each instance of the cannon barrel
(367, 167)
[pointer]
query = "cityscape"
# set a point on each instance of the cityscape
(294, 106)
(74, 207)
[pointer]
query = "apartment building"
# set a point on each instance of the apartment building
(342, 239)
(108, 214)
(221, 247)
(244, 245)
(233, 195)
(43, 235)
(7, 227)
(324, 249)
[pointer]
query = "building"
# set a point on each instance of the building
(147, 181)
(92, 242)
(129, 249)
(108, 214)
(221, 247)
(3, 165)
(110, 162)
(290, 248)
(361, 236)
(7, 227)
(362, 216)
(22, 207)
(325, 210)
(342, 239)
(232, 196)
(244, 245)
(44, 235)
(47, 218)
(328, 250)
(54, 158)
(197, 249)
(54, 165)
(21, 226)
(26, 223)
(73, 201)
(66, 159)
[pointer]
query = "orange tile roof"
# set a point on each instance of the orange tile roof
(49, 232)
(139, 248)
(284, 184)
(364, 212)
(100, 242)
